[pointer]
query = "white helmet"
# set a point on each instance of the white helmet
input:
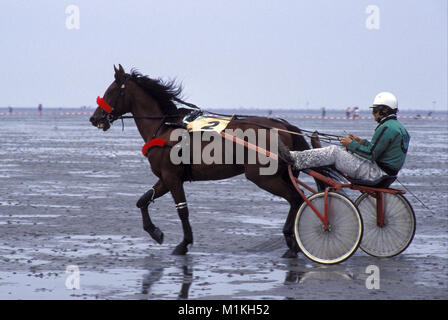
(386, 99)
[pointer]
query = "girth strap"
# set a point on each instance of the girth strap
(152, 143)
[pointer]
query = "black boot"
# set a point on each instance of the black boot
(315, 142)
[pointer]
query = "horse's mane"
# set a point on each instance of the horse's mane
(162, 91)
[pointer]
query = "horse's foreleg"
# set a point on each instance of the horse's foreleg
(146, 198)
(156, 191)
(182, 209)
(149, 227)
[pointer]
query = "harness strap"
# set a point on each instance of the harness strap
(152, 143)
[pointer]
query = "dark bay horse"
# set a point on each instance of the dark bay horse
(152, 103)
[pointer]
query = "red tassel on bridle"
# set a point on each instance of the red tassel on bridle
(103, 105)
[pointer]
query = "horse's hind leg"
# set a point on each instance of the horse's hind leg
(278, 186)
(176, 187)
(155, 192)
(288, 232)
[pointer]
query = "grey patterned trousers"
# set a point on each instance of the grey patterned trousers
(347, 162)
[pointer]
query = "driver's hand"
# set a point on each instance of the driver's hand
(345, 141)
(355, 137)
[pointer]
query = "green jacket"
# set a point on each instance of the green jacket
(388, 147)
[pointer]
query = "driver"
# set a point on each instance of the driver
(359, 158)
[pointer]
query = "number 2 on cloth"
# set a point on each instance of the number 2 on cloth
(210, 126)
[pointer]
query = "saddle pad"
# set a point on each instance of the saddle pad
(208, 123)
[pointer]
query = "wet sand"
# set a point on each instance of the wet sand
(67, 198)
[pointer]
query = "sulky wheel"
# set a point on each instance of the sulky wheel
(343, 235)
(398, 227)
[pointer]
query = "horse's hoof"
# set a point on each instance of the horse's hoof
(157, 235)
(290, 254)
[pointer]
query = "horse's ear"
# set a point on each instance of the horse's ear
(119, 73)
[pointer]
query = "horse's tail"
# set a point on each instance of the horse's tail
(298, 144)
(298, 141)
(283, 153)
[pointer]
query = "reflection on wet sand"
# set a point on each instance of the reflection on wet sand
(176, 277)
(297, 274)
(154, 275)
(150, 278)
(186, 282)
(301, 276)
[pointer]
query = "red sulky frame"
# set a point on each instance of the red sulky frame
(377, 193)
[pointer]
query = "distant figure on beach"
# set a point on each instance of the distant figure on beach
(429, 114)
(10, 109)
(39, 109)
(355, 113)
(269, 112)
(324, 112)
(347, 113)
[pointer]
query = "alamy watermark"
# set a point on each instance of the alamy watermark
(251, 148)
(72, 21)
(73, 277)
(373, 280)
(373, 18)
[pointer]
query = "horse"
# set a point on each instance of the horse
(152, 102)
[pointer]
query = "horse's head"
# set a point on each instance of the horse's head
(115, 101)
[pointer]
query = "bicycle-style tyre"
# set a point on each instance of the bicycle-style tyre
(398, 228)
(341, 239)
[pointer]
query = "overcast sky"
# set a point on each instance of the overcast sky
(230, 53)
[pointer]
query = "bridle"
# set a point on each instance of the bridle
(110, 115)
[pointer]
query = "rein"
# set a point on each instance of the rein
(326, 137)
